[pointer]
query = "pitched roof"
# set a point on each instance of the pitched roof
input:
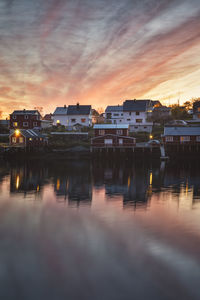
(60, 111)
(26, 112)
(29, 133)
(116, 108)
(111, 126)
(136, 105)
(179, 130)
(79, 109)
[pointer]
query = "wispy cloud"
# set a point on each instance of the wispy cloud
(99, 52)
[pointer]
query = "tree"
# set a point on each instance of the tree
(179, 112)
(188, 105)
(40, 109)
(1, 114)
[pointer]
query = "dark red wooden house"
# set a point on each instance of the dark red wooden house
(112, 136)
(25, 119)
(27, 138)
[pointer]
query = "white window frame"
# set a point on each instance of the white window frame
(35, 124)
(14, 140)
(101, 132)
(184, 138)
(25, 124)
(14, 117)
(119, 131)
(26, 117)
(120, 141)
(169, 138)
(21, 140)
(198, 138)
(108, 141)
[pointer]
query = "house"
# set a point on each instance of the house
(132, 112)
(114, 114)
(181, 135)
(196, 110)
(60, 116)
(79, 115)
(136, 114)
(27, 138)
(161, 111)
(25, 119)
(112, 136)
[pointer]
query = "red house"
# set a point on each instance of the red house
(25, 119)
(27, 138)
(181, 135)
(112, 136)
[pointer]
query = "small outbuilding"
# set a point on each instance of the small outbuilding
(112, 136)
(181, 135)
(27, 138)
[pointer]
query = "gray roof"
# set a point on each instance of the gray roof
(111, 126)
(79, 109)
(137, 105)
(30, 133)
(26, 112)
(116, 108)
(60, 111)
(180, 131)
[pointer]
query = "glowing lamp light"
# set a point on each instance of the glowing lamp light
(151, 136)
(17, 132)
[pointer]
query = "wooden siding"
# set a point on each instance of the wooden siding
(100, 141)
(176, 140)
(111, 131)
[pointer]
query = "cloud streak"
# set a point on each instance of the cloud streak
(60, 52)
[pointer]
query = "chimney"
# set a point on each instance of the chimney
(77, 106)
(65, 106)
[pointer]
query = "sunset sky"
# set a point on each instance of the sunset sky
(99, 52)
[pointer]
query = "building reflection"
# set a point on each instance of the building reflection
(73, 184)
(27, 178)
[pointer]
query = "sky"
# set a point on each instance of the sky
(98, 52)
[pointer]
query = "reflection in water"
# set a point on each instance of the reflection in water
(102, 230)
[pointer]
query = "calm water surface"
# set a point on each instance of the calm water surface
(99, 230)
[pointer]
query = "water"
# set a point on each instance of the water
(99, 230)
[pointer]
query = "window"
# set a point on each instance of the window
(108, 141)
(25, 117)
(136, 127)
(184, 139)
(73, 120)
(21, 140)
(137, 113)
(101, 132)
(121, 114)
(145, 127)
(120, 120)
(83, 120)
(128, 119)
(25, 124)
(129, 113)
(15, 124)
(120, 141)
(119, 132)
(169, 139)
(34, 123)
(138, 120)
(14, 140)
(14, 117)
(58, 121)
(30, 139)
(198, 138)
(115, 115)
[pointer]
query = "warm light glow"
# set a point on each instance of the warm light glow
(17, 182)
(38, 188)
(58, 185)
(129, 181)
(58, 121)
(17, 132)
(151, 136)
(150, 178)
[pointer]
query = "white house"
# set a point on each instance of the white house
(132, 112)
(60, 116)
(114, 114)
(73, 116)
(79, 115)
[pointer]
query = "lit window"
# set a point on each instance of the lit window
(14, 139)
(15, 124)
(30, 139)
(198, 109)
(58, 121)
(83, 120)
(21, 140)
(185, 138)
(137, 113)
(138, 120)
